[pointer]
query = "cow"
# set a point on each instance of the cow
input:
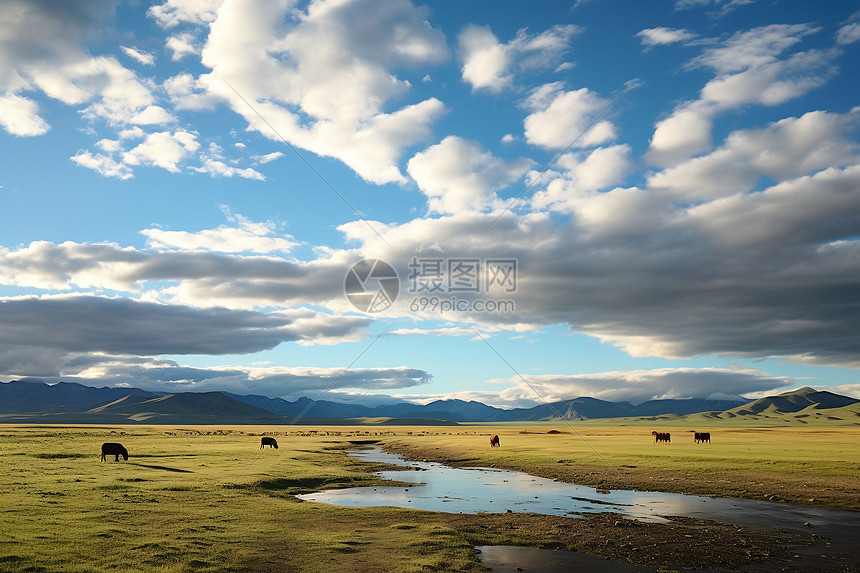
(115, 450)
(662, 437)
(701, 437)
(267, 441)
(494, 441)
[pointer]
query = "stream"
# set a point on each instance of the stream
(473, 490)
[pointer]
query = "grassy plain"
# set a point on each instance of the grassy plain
(208, 499)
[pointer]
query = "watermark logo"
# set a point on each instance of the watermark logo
(371, 285)
(462, 275)
(437, 285)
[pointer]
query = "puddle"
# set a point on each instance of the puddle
(506, 558)
(473, 490)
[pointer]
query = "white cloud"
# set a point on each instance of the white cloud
(163, 149)
(720, 7)
(458, 175)
(218, 168)
(583, 173)
(749, 69)
(139, 56)
(152, 115)
(175, 12)
(103, 164)
(182, 45)
(662, 36)
(327, 97)
(559, 117)
(486, 62)
(686, 132)
(636, 386)
(848, 34)
(246, 236)
(267, 158)
(491, 65)
(783, 150)
(20, 116)
(41, 43)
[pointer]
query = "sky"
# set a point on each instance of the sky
(377, 200)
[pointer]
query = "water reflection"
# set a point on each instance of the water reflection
(473, 490)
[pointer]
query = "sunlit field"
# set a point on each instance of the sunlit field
(209, 499)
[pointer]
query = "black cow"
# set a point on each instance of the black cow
(701, 437)
(115, 450)
(661, 437)
(494, 441)
(267, 441)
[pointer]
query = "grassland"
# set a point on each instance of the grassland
(208, 499)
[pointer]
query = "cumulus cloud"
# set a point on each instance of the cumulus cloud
(41, 42)
(331, 97)
(560, 118)
(458, 175)
(751, 68)
(490, 65)
(163, 149)
(577, 175)
(786, 149)
(20, 116)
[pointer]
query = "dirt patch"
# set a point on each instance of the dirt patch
(687, 543)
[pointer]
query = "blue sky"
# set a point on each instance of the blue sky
(626, 200)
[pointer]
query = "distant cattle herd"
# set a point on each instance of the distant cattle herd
(698, 437)
(117, 450)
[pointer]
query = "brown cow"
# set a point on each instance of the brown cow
(115, 450)
(701, 437)
(267, 441)
(494, 441)
(662, 437)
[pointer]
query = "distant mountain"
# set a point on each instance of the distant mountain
(305, 407)
(19, 396)
(71, 403)
(29, 402)
(795, 401)
(682, 407)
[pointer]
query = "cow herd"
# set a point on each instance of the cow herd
(116, 450)
(698, 437)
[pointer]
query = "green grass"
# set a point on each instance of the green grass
(208, 499)
(194, 500)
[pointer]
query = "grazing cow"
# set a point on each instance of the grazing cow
(267, 441)
(115, 450)
(494, 441)
(701, 437)
(662, 437)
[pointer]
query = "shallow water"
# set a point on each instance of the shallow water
(473, 490)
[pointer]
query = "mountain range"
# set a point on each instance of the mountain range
(72, 403)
